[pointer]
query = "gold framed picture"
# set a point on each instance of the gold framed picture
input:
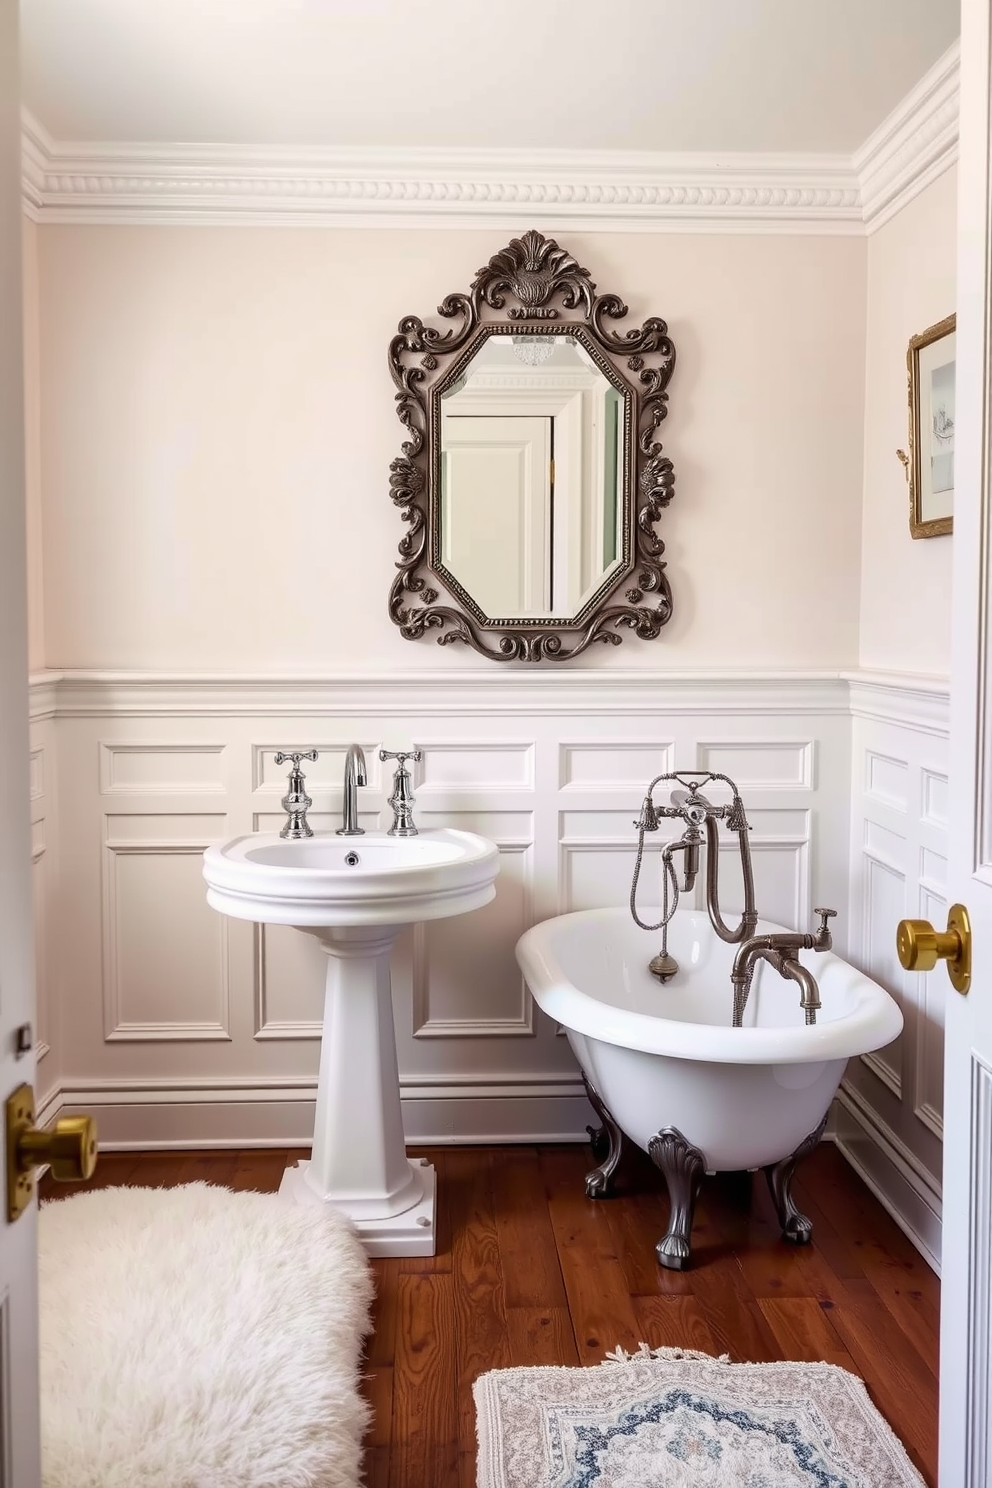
(930, 464)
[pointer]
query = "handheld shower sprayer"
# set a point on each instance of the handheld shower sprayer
(648, 819)
(693, 809)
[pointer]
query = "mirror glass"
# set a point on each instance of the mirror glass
(531, 503)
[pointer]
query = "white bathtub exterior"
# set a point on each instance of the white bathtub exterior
(668, 1056)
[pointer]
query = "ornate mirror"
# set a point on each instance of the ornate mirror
(531, 480)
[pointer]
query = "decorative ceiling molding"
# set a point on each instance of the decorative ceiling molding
(914, 145)
(625, 191)
(35, 148)
(211, 184)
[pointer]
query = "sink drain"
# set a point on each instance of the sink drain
(352, 859)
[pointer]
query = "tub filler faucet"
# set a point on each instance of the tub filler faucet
(700, 817)
(781, 951)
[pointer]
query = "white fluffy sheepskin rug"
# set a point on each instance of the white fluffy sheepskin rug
(197, 1338)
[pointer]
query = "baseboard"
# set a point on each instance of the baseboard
(48, 1106)
(889, 1170)
(135, 1117)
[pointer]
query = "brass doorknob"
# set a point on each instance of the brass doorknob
(69, 1148)
(920, 946)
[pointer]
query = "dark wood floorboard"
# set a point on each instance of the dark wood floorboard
(529, 1271)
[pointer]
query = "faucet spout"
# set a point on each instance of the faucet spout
(809, 992)
(354, 776)
(781, 950)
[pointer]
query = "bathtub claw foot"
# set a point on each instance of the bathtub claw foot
(673, 1252)
(607, 1146)
(796, 1228)
(683, 1167)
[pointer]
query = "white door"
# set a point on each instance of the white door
(496, 480)
(966, 1286)
(19, 1445)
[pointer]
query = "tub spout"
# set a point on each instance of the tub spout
(809, 992)
(781, 950)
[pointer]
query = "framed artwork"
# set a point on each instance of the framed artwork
(930, 462)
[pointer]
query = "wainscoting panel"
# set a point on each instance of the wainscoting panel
(290, 969)
(182, 1027)
(165, 965)
(612, 766)
(884, 906)
(44, 875)
(466, 982)
(760, 765)
(890, 1122)
(160, 768)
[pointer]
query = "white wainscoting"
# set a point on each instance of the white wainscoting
(181, 1028)
(888, 1122)
(44, 875)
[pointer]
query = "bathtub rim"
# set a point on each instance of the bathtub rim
(876, 1020)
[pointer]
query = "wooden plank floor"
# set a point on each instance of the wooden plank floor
(528, 1271)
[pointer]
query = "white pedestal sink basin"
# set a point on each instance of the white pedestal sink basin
(355, 894)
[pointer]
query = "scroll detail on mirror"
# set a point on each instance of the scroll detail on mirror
(531, 480)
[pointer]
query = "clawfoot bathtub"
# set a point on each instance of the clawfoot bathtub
(664, 1066)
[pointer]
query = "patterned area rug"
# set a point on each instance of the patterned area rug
(668, 1418)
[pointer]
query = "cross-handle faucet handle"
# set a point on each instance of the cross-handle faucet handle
(402, 798)
(823, 933)
(296, 803)
(398, 754)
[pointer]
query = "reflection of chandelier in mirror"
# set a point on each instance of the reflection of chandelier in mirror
(533, 351)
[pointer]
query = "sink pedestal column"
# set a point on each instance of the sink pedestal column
(359, 1163)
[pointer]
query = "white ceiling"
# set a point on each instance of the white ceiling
(658, 75)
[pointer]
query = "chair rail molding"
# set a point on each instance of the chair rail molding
(918, 702)
(473, 692)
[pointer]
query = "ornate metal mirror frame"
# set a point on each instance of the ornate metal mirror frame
(532, 288)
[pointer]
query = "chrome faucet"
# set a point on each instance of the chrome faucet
(354, 776)
(402, 798)
(780, 951)
(296, 803)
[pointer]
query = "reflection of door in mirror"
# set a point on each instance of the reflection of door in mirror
(496, 539)
(532, 476)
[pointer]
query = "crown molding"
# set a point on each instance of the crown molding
(36, 148)
(915, 144)
(633, 191)
(629, 191)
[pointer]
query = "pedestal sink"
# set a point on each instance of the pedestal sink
(355, 894)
